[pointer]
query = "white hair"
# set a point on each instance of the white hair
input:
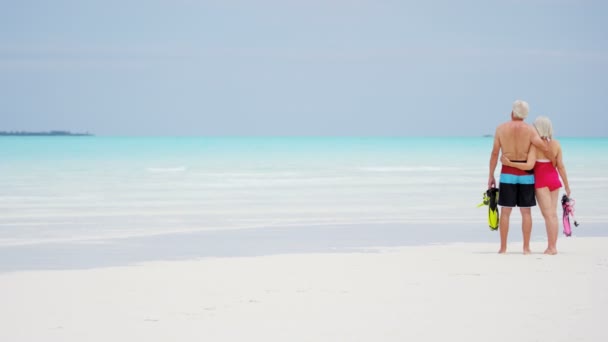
(544, 127)
(520, 109)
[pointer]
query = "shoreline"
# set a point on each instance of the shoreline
(251, 242)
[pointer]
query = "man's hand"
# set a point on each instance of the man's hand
(537, 141)
(491, 182)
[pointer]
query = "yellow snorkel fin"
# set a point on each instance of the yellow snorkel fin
(490, 198)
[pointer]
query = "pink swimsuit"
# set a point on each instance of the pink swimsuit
(545, 175)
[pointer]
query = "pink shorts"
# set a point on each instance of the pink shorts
(545, 175)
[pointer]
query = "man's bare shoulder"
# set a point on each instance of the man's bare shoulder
(503, 128)
(530, 127)
(515, 126)
(504, 124)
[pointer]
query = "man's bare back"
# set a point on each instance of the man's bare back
(514, 139)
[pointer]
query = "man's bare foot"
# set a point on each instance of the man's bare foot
(502, 251)
(527, 251)
(551, 251)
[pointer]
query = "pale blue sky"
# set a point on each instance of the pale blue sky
(333, 67)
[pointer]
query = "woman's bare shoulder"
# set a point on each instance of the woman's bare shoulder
(555, 149)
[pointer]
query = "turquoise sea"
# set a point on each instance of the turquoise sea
(63, 193)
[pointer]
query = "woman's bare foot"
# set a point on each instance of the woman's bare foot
(551, 251)
(527, 251)
(502, 251)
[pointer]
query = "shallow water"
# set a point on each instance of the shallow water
(97, 190)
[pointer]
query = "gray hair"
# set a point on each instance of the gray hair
(520, 109)
(544, 127)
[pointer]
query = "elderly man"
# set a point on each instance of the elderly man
(514, 138)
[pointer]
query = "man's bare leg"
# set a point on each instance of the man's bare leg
(505, 214)
(526, 228)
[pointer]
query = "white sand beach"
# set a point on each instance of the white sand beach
(459, 292)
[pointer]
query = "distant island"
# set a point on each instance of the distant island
(43, 134)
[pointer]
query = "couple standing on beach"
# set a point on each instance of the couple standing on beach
(531, 161)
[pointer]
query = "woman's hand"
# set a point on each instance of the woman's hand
(567, 191)
(504, 160)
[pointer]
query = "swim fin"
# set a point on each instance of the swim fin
(568, 210)
(490, 198)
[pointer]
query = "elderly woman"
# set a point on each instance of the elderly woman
(548, 168)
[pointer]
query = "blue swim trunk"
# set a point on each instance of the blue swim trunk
(516, 188)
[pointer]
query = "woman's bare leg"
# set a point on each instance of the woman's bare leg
(554, 222)
(547, 201)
